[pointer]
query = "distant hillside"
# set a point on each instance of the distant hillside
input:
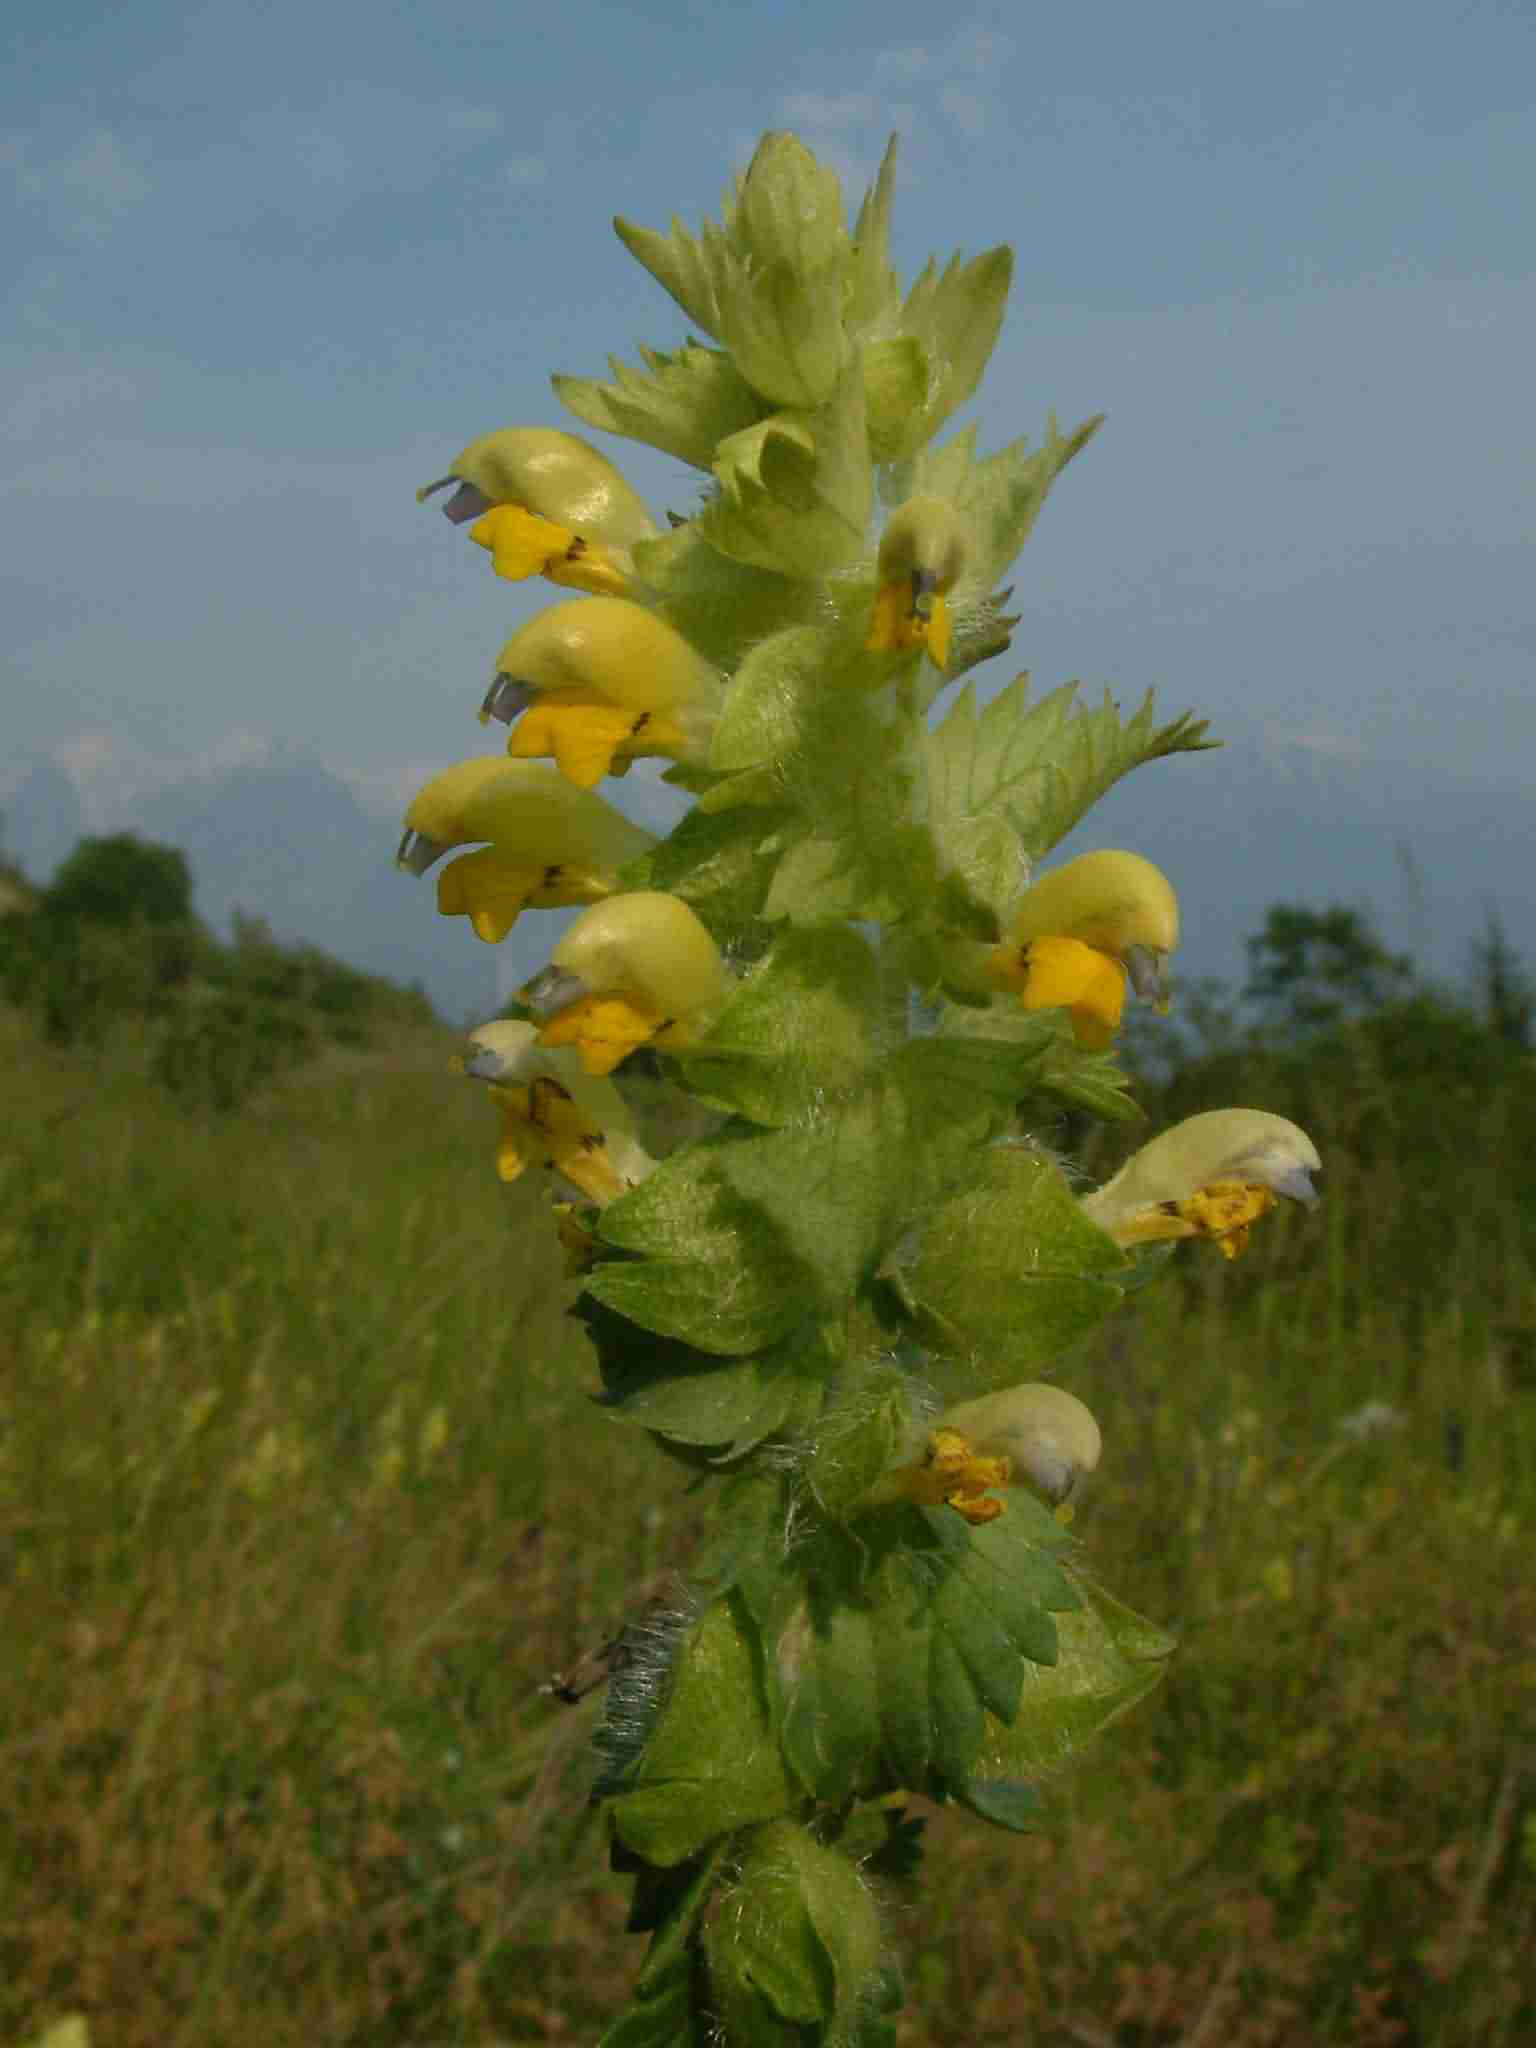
(1259, 822)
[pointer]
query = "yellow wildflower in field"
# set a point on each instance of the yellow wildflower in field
(596, 683)
(1084, 931)
(545, 503)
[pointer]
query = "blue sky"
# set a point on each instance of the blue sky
(272, 267)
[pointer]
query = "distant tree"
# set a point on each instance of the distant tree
(122, 880)
(1309, 969)
(1508, 997)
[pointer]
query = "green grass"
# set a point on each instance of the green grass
(302, 1500)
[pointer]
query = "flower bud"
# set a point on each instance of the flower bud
(922, 555)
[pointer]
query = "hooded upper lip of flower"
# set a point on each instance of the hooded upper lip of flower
(1246, 1147)
(575, 1123)
(555, 475)
(1047, 1434)
(524, 808)
(636, 967)
(1082, 931)
(922, 556)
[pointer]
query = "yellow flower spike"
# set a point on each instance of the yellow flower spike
(564, 843)
(636, 969)
(554, 1114)
(922, 555)
(1081, 932)
(588, 737)
(555, 476)
(1210, 1176)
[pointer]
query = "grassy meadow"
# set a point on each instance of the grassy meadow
(302, 1502)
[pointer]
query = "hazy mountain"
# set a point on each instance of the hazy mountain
(1264, 820)
(41, 815)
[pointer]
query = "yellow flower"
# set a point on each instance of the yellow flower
(922, 554)
(635, 970)
(546, 504)
(551, 844)
(1032, 1433)
(598, 682)
(1081, 932)
(556, 1115)
(1210, 1176)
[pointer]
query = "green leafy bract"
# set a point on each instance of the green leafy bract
(915, 1628)
(956, 314)
(719, 864)
(799, 1942)
(689, 1397)
(711, 1764)
(801, 726)
(1009, 1270)
(1008, 780)
(795, 490)
(768, 284)
(1109, 1658)
(798, 1033)
(745, 1236)
(684, 403)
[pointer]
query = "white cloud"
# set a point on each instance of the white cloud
(64, 395)
(829, 110)
(323, 157)
(976, 50)
(103, 178)
(474, 121)
(909, 88)
(89, 190)
(900, 67)
(968, 110)
(525, 170)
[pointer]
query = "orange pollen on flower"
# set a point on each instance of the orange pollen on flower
(952, 1475)
(1225, 1212)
